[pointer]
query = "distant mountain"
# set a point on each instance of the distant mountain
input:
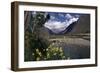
(65, 31)
(59, 27)
(82, 26)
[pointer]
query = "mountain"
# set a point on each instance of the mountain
(59, 27)
(81, 25)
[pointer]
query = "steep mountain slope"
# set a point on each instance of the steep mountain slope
(82, 26)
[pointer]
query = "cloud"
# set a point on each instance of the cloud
(52, 17)
(55, 26)
(59, 26)
(60, 14)
(68, 16)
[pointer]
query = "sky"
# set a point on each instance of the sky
(58, 22)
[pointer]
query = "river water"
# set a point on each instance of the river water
(75, 48)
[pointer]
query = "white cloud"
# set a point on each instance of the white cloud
(62, 15)
(52, 17)
(58, 26)
(68, 16)
(55, 26)
(72, 20)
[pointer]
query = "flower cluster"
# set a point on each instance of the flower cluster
(52, 53)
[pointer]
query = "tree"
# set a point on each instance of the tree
(38, 47)
(32, 31)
